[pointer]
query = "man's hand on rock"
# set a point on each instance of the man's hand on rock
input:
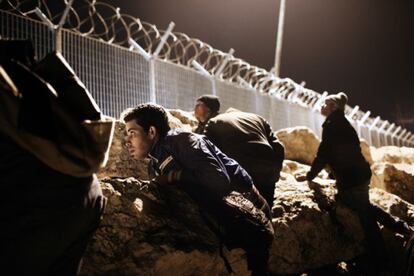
(144, 185)
(161, 179)
(168, 178)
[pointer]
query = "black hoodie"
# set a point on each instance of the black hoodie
(340, 149)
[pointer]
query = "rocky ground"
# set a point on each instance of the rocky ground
(153, 230)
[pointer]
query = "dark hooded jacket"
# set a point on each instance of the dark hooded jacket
(340, 149)
(249, 139)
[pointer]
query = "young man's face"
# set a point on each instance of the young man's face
(139, 142)
(201, 111)
(327, 108)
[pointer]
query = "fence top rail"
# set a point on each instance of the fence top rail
(103, 22)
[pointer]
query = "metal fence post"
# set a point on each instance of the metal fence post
(55, 29)
(58, 31)
(388, 132)
(353, 112)
(371, 129)
(203, 71)
(394, 134)
(381, 130)
(361, 122)
(150, 59)
(141, 51)
(405, 139)
(320, 100)
(164, 39)
(153, 93)
(399, 138)
(224, 62)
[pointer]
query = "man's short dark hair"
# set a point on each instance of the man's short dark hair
(211, 101)
(146, 115)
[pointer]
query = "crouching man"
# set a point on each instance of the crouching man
(247, 138)
(216, 182)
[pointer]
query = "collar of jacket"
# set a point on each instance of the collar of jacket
(334, 116)
(153, 159)
(159, 148)
(201, 125)
(156, 151)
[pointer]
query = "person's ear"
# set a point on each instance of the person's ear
(152, 132)
(208, 113)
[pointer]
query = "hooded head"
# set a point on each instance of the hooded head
(207, 106)
(334, 102)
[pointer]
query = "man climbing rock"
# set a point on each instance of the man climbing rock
(216, 182)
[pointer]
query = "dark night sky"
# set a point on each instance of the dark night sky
(362, 47)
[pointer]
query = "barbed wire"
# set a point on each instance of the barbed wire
(100, 20)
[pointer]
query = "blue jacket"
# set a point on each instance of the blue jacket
(207, 173)
(210, 177)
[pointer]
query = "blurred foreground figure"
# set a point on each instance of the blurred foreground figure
(231, 205)
(340, 150)
(245, 137)
(52, 141)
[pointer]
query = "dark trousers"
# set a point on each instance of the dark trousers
(235, 229)
(267, 190)
(256, 241)
(48, 239)
(357, 199)
(265, 182)
(46, 218)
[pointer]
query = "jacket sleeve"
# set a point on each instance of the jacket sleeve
(322, 155)
(201, 165)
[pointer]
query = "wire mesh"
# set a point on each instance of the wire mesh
(115, 76)
(95, 40)
(234, 96)
(178, 86)
(17, 27)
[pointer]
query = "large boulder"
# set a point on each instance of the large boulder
(302, 217)
(185, 117)
(306, 237)
(366, 151)
(397, 178)
(180, 119)
(301, 143)
(153, 230)
(395, 243)
(393, 204)
(158, 230)
(393, 154)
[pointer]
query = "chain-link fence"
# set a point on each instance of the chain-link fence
(147, 64)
